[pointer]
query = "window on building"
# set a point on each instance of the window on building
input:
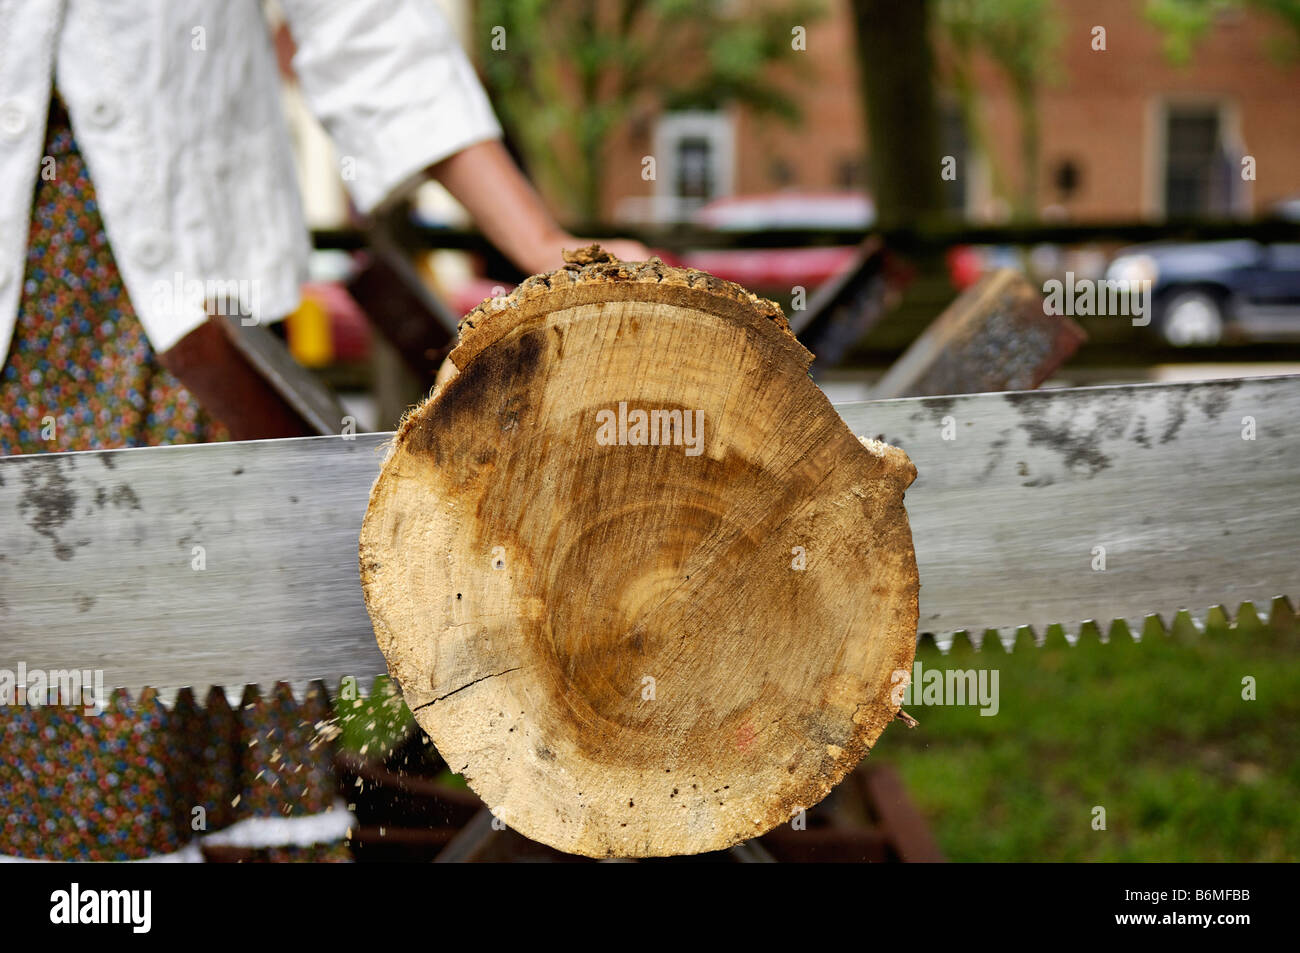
(1197, 182)
(1067, 177)
(694, 166)
(851, 173)
(695, 151)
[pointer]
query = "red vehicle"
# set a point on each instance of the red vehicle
(780, 269)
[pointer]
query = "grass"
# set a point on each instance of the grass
(1157, 733)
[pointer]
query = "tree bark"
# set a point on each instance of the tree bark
(637, 645)
(897, 79)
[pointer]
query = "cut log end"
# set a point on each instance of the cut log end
(638, 581)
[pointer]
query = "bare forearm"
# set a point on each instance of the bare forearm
(485, 180)
(508, 210)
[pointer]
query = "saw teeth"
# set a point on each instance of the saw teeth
(1080, 631)
(1277, 612)
(234, 697)
(1264, 613)
(1006, 637)
(300, 687)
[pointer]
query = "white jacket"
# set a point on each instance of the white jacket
(176, 108)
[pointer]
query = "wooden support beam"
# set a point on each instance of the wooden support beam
(409, 316)
(844, 308)
(908, 834)
(995, 336)
(246, 378)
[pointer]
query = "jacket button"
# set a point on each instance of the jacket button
(151, 249)
(103, 112)
(13, 118)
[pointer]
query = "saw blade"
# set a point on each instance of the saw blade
(1088, 505)
(234, 563)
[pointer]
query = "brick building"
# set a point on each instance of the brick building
(1125, 134)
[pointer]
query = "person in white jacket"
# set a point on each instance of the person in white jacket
(176, 109)
(142, 144)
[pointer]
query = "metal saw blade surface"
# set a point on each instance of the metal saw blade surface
(234, 563)
(1099, 503)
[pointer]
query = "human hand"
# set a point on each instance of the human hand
(547, 254)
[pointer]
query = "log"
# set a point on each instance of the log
(995, 336)
(634, 645)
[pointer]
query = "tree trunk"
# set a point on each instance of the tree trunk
(638, 581)
(897, 80)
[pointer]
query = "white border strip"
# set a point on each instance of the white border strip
(257, 832)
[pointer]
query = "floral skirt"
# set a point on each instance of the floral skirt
(137, 781)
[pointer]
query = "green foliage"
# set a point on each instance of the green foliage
(1020, 37)
(1185, 22)
(1157, 733)
(375, 724)
(1182, 22)
(574, 71)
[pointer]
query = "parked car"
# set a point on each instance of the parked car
(1204, 293)
(1288, 209)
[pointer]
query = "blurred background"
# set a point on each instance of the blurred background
(763, 141)
(760, 140)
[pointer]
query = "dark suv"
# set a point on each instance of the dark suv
(1207, 292)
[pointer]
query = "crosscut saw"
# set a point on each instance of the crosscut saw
(233, 563)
